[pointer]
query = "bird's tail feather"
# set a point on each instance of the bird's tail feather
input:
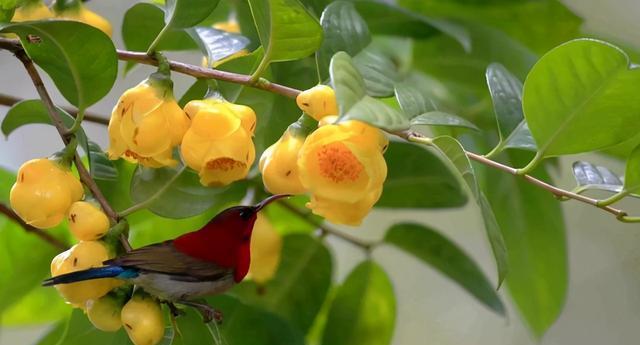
(91, 273)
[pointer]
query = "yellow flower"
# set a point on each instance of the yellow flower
(83, 255)
(32, 11)
(84, 15)
(143, 320)
(43, 192)
(146, 125)
(218, 144)
(279, 165)
(266, 245)
(319, 101)
(342, 166)
(87, 222)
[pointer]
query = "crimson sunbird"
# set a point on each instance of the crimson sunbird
(205, 262)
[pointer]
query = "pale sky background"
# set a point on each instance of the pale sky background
(603, 304)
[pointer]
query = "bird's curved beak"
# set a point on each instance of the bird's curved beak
(262, 204)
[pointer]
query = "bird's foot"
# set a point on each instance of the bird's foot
(208, 313)
(175, 312)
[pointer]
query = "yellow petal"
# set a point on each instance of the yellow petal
(279, 166)
(245, 114)
(148, 136)
(228, 160)
(215, 122)
(342, 212)
(30, 11)
(178, 121)
(194, 149)
(318, 102)
(266, 245)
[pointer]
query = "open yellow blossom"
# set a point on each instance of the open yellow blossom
(279, 165)
(342, 166)
(43, 192)
(219, 144)
(82, 14)
(32, 10)
(146, 125)
(266, 246)
(319, 101)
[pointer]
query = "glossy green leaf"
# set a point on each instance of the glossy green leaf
(177, 192)
(452, 149)
(142, 23)
(344, 30)
(78, 330)
(6, 15)
(197, 90)
(38, 306)
(532, 223)
(632, 172)
(378, 71)
(591, 176)
(506, 93)
(187, 13)
(243, 324)
(388, 19)
(445, 256)
(521, 138)
(101, 167)
(568, 91)
(300, 285)
(363, 311)
(439, 118)
(33, 111)
(287, 30)
(217, 44)
(412, 168)
(353, 102)
(83, 79)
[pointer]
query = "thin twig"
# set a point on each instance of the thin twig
(325, 228)
(85, 177)
(4, 209)
(557, 192)
(9, 100)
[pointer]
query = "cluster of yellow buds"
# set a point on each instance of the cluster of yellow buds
(341, 164)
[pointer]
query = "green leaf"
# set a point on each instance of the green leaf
(300, 285)
(217, 44)
(190, 330)
(378, 71)
(101, 167)
(182, 14)
(532, 223)
(143, 22)
(591, 176)
(521, 138)
(39, 306)
(632, 172)
(177, 193)
(344, 30)
(388, 19)
(287, 30)
(439, 118)
(78, 330)
(413, 168)
(33, 111)
(280, 217)
(244, 324)
(452, 149)
(506, 93)
(353, 102)
(83, 79)
(436, 250)
(568, 91)
(363, 311)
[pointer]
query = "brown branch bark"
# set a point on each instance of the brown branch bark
(4, 209)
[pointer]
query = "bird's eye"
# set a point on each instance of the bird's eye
(246, 214)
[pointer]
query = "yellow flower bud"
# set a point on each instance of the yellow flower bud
(145, 125)
(319, 101)
(266, 245)
(142, 319)
(87, 222)
(43, 193)
(104, 313)
(84, 255)
(279, 165)
(32, 11)
(85, 15)
(342, 166)
(218, 144)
